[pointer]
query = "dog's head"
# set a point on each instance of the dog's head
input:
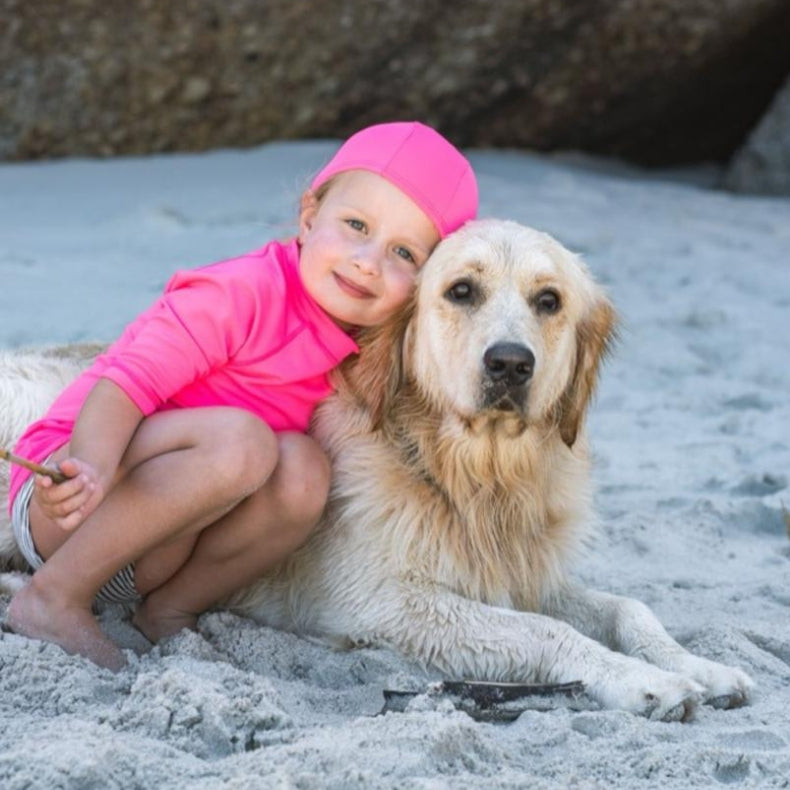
(505, 322)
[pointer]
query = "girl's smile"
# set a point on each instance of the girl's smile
(353, 290)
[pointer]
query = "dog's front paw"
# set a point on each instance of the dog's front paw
(724, 687)
(648, 691)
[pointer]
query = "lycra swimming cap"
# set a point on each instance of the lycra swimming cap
(417, 160)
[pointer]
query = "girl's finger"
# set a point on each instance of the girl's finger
(70, 467)
(73, 503)
(61, 492)
(70, 522)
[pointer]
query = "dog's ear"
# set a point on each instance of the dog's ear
(374, 376)
(594, 337)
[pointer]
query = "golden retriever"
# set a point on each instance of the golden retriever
(461, 490)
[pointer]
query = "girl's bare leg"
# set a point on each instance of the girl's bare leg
(183, 470)
(260, 531)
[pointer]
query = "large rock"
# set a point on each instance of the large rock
(653, 81)
(762, 165)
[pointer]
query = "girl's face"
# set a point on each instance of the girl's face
(361, 247)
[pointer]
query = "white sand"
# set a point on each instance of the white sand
(692, 446)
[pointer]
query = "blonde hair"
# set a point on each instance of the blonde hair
(323, 188)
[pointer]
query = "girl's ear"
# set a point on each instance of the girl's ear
(308, 206)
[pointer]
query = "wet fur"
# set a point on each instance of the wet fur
(451, 525)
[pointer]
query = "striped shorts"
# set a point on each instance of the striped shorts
(120, 589)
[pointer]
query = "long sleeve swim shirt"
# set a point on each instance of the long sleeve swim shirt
(242, 332)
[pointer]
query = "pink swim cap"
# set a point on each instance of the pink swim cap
(417, 160)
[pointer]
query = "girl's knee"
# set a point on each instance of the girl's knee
(244, 450)
(303, 476)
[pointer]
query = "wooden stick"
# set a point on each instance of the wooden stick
(55, 474)
(496, 702)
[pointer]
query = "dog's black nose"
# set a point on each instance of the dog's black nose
(510, 363)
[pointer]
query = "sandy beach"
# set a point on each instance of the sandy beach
(691, 438)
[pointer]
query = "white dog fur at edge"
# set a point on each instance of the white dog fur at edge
(461, 486)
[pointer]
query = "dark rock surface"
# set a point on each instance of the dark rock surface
(762, 165)
(652, 81)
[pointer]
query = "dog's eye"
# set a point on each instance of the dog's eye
(461, 292)
(547, 301)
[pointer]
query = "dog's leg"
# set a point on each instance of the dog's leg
(466, 639)
(630, 627)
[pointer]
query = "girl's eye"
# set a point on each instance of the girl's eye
(356, 224)
(405, 253)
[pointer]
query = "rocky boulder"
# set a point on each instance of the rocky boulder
(762, 165)
(652, 81)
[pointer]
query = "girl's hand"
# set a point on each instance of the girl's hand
(68, 504)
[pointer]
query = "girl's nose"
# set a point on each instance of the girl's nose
(368, 259)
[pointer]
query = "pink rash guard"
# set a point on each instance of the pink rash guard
(242, 332)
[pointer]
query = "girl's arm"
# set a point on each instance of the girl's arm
(102, 432)
(104, 428)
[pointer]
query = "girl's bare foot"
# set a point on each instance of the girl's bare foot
(37, 614)
(158, 622)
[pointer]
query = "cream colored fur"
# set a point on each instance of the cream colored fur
(456, 505)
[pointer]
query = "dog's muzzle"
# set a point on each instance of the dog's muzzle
(508, 369)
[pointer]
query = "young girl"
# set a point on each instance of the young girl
(189, 470)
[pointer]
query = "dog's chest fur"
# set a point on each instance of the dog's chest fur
(481, 510)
